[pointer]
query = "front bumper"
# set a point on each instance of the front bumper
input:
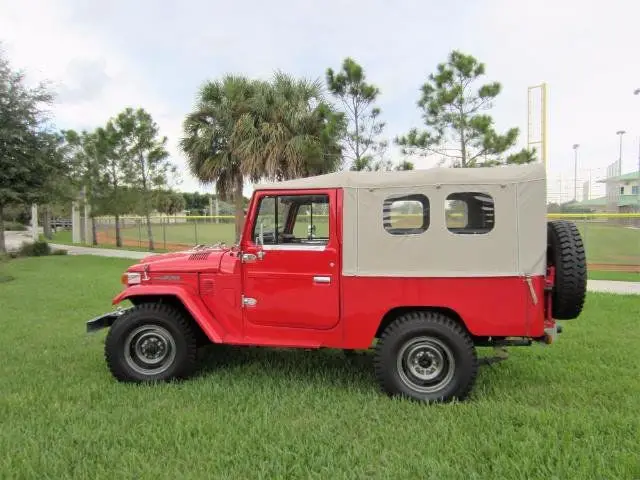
(105, 320)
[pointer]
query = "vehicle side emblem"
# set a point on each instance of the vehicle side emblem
(248, 301)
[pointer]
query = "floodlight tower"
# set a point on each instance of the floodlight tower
(575, 171)
(540, 138)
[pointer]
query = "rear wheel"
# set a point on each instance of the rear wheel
(565, 252)
(151, 342)
(426, 356)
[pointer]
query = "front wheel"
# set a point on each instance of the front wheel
(426, 356)
(151, 342)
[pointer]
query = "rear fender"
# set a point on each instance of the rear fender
(191, 303)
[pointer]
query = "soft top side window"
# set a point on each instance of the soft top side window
(469, 213)
(406, 214)
(293, 219)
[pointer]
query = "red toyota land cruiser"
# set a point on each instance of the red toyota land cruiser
(420, 266)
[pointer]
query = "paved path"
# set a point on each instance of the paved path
(101, 252)
(611, 286)
(14, 240)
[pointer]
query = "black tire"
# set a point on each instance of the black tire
(437, 339)
(565, 251)
(151, 330)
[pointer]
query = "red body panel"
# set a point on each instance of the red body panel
(192, 302)
(499, 306)
(292, 310)
(286, 284)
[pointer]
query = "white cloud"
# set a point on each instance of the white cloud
(93, 80)
(156, 55)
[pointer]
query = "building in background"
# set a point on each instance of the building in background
(622, 196)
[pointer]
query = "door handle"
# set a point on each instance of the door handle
(248, 257)
(252, 257)
(321, 279)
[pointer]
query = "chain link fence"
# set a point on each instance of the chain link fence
(168, 233)
(612, 240)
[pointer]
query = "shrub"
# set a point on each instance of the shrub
(36, 249)
(15, 226)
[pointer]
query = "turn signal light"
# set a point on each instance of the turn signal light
(130, 278)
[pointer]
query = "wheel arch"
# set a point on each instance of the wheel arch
(396, 312)
(196, 314)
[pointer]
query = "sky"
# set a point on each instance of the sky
(100, 57)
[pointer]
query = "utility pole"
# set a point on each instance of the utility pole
(575, 171)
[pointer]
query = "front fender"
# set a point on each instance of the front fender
(193, 304)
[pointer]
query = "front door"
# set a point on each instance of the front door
(290, 266)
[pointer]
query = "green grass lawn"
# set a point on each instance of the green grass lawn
(617, 276)
(610, 244)
(569, 410)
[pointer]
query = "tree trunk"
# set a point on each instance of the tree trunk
(355, 115)
(463, 138)
(94, 232)
(147, 203)
(118, 236)
(239, 206)
(3, 248)
(46, 219)
(149, 231)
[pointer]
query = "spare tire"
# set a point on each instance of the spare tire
(565, 252)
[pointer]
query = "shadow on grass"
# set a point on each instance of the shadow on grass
(318, 368)
(297, 364)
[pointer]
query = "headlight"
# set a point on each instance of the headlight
(131, 278)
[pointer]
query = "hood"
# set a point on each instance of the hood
(196, 259)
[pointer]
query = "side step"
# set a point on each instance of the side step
(514, 342)
(521, 342)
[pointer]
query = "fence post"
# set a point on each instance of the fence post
(195, 228)
(139, 232)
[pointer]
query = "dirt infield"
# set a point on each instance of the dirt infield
(612, 267)
(105, 239)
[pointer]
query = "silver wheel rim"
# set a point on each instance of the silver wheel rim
(426, 364)
(150, 350)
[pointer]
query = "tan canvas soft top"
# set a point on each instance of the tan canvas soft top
(515, 245)
(432, 176)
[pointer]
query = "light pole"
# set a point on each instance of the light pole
(575, 171)
(636, 92)
(620, 133)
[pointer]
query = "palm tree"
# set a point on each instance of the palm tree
(290, 131)
(248, 128)
(210, 134)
